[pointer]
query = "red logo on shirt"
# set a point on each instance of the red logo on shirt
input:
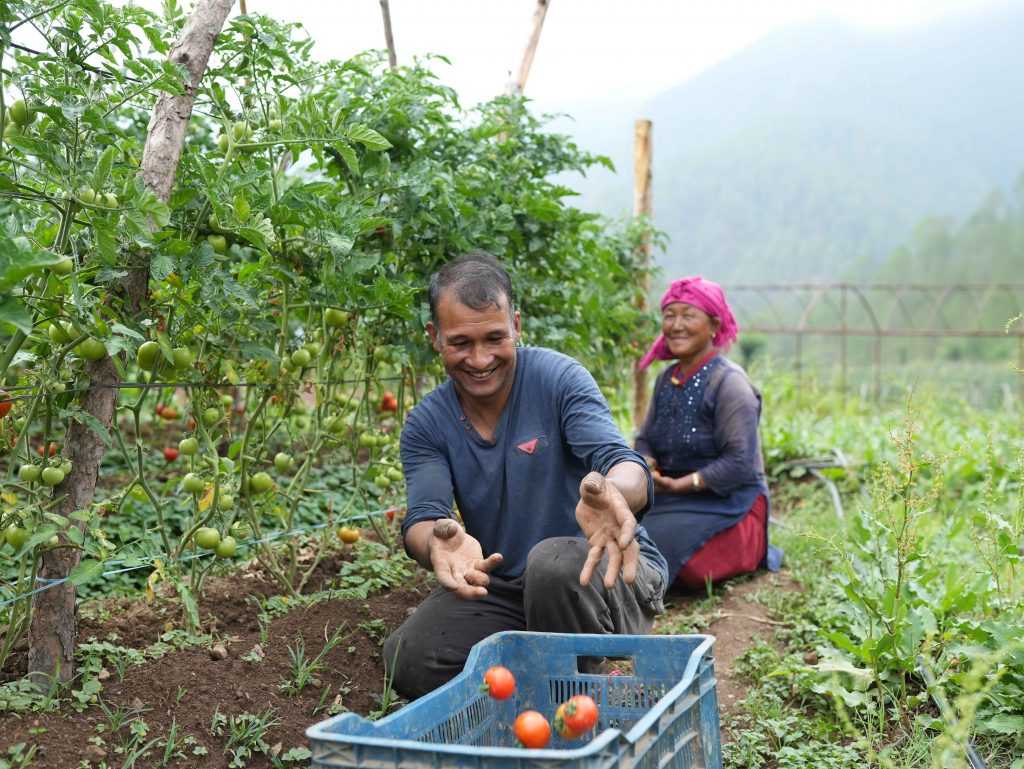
(528, 447)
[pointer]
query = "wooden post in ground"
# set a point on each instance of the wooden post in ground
(642, 207)
(53, 629)
(389, 38)
(518, 86)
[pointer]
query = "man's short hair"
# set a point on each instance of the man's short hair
(475, 279)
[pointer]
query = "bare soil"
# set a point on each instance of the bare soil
(189, 687)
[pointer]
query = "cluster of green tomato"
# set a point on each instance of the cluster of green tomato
(19, 117)
(49, 475)
(209, 538)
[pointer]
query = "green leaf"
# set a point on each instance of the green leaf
(188, 602)
(12, 311)
(101, 173)
(90, 421)
(349, 156)
(367, 137)
(19, 259)
(241, 208)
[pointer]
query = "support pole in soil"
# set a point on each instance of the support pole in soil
(642, 208)
(53, 629)
(389, 37)
(518, 86)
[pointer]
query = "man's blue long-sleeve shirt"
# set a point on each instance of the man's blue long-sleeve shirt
(523, 486)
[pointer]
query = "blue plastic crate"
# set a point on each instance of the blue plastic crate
(664, 713)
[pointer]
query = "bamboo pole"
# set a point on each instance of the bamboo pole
(389, 37)
(518, 86)
(642, 207)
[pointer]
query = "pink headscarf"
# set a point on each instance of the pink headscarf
(705, 296)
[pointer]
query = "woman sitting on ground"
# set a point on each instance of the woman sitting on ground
(710, 513)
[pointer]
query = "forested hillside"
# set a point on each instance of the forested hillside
(817, 151)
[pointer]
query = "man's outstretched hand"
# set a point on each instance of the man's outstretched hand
(609, 525)
(458, 560)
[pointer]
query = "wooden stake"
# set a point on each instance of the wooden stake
(518, 86)
(642, 207)
(388, 36)
(53, 628)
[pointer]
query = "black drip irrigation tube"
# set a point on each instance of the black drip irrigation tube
(948, 715)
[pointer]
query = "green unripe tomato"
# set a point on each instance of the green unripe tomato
(241, 530)
(20, 114)
(240, 130)
(29, 473)
(147, 355)
(261, 482)
(182, 357)
(211, 416)
(283, 462)
(367, 440)
(207, 537)
(193, 483)
(275, 125)
(301, 358)
(188, 446)
(227, 400)
(382, 481)
(226, 548)
(395, 474)
(87, 196)
(61, 332)
(110, 200)
(335, 424)
(286, 363)
(382, 440)
(64, 267)
(65, 467)
(312, 347)
(223, 142)
(218, 242)
(58, 387)
(13, 129)
(214, 223)
(52, 476)
(17, 536)
(334, 317)
(91, 349)
(225, 502)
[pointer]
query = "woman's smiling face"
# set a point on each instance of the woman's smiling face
(688, 331)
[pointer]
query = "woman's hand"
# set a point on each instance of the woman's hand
(663, 484)
(609, 525)
(458, 560)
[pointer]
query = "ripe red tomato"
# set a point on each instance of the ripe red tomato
(168, 413)
(5, 406)
(53, 449)
(158, 409)
(388, 402)
(532, 729)
(191, 425)
(580, 714)
(171, 453)
(499, 682)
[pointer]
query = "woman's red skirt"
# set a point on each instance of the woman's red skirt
(737, 550)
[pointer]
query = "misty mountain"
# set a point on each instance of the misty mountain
(814, 153)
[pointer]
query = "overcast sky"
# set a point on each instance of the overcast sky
(590, 50)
